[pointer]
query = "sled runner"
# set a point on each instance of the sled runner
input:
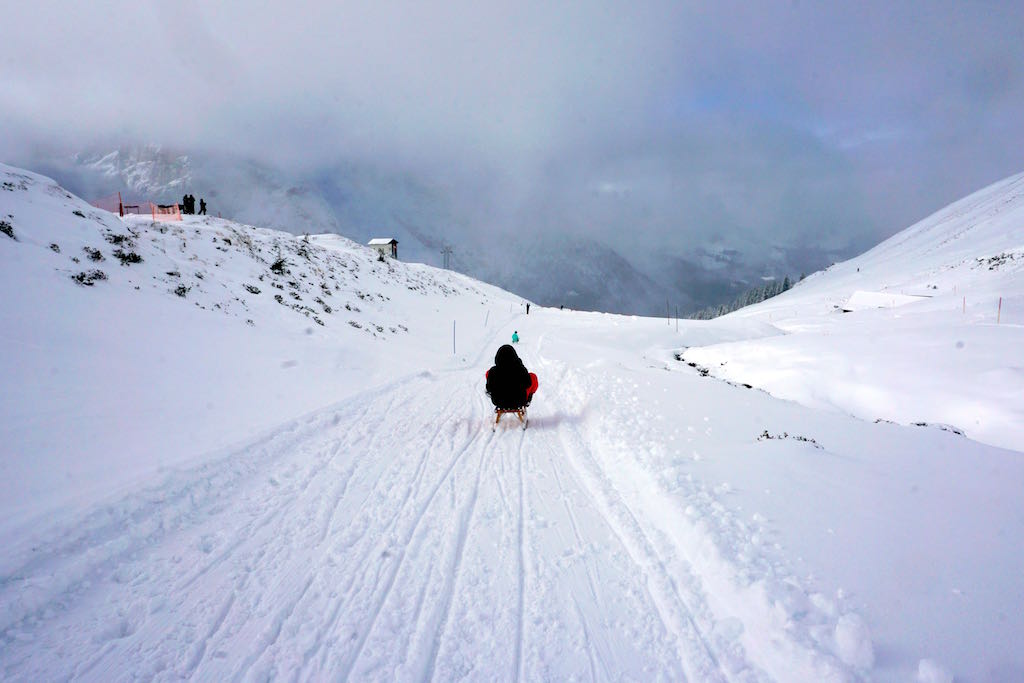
(518, 412)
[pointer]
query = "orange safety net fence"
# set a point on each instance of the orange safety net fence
(111, 203)
(166, 212)
(160, 212)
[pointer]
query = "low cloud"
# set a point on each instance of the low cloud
(770, 121)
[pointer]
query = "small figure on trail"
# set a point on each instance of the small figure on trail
(202, 206)
(515, 337)
(509, 384)
(527, 308)
(184, 204)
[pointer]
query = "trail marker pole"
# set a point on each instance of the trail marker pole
(999, 311)
(677, 318)
(668, 313)
(453, 337)
(965, 305)
(486, 317)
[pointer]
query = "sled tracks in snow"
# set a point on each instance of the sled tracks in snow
(381, 540)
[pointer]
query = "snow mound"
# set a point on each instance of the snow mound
(853, 642)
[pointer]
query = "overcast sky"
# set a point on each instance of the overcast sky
(788, 113)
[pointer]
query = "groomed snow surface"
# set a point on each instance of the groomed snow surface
(300, 482)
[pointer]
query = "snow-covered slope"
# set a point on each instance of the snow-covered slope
(241, 455)
(952, 356)
(125, 330)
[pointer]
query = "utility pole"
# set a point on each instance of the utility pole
(447, 254)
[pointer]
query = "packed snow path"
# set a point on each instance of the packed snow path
(390, 537)
(394, 536)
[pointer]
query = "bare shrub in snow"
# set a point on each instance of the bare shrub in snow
(117, 239)
(765, 435)
(87, 277)
(279, 266)
(127, 257)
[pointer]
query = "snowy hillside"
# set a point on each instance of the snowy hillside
(942, 345)
(550, 253)
(229, 453)
(121, 325)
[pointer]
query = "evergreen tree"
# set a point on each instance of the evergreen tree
(750, 297)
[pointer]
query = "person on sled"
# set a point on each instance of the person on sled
(509, 384)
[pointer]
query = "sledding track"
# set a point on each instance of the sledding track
(390, 537)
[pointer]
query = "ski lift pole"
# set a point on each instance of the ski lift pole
(453, 337)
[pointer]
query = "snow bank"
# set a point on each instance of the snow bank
(860, 300)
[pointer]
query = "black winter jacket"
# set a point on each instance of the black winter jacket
(508, 381)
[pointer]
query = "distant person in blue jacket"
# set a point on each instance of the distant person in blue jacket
(515, 337)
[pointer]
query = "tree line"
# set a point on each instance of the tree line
(748, 298)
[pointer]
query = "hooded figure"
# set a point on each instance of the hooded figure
(509, 384)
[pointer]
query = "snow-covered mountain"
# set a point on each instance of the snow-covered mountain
(550, 254)
(232, 453)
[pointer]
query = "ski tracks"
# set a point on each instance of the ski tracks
(229, 571)
(392, 537)
(726, 621)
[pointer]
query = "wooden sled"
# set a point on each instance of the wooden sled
(518, 412)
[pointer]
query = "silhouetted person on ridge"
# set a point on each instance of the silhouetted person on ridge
(202, 206)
